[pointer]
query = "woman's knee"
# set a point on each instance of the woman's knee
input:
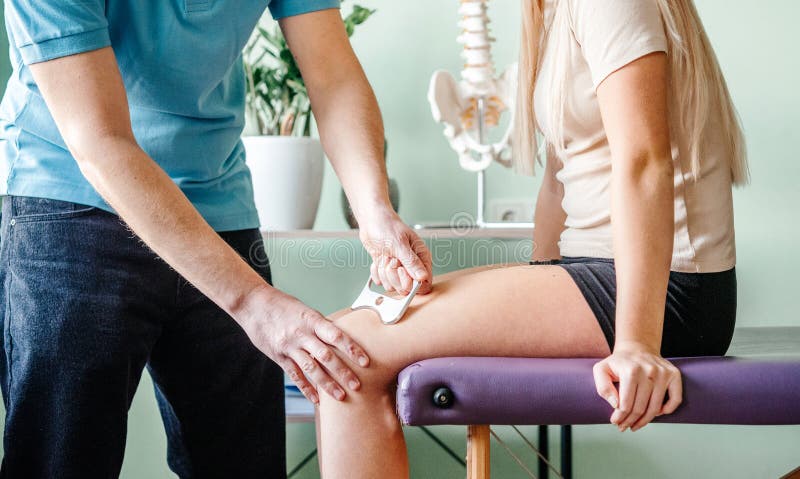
(367, 331)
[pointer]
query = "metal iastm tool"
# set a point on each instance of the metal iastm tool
(391, 310)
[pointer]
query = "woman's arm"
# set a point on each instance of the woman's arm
(633, 103)
(549, 217)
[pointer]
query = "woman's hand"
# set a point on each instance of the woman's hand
(399, 256)
(644, 379)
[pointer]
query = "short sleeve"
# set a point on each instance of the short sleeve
(288, 8)
(614, 33)
(47, 29)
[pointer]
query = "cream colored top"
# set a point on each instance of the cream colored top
(606, 35)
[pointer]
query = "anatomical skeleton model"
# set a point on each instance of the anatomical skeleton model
(469, 108)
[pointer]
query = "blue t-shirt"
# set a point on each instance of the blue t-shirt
(181, 64)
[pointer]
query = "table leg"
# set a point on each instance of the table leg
(478, 452)
(566, 452)
(544, 450)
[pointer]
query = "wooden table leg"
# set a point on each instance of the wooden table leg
(478, 452)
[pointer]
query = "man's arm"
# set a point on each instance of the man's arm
(87, 99)
(351, 130)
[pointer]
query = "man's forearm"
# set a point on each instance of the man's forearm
(351, 130)
(161, 215)
(86, 97)
(344, 106)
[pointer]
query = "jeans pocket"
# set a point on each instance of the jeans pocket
(192, 6)
(28, 209)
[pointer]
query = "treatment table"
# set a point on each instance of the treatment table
(757, 383)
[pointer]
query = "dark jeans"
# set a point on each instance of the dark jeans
(85, 306)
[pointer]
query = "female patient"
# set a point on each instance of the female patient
(643, 146)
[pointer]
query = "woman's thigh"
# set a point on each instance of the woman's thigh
(523, 311)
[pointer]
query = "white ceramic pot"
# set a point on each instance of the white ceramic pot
(287, 180)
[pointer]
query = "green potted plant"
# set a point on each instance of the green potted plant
(286, 163)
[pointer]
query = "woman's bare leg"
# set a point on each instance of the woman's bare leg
(526, 311)
(439, 279)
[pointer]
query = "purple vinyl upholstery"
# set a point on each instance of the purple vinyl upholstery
(758, 383)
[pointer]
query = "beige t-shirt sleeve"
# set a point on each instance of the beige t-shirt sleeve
(613, 33)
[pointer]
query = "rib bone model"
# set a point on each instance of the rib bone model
(470, 108)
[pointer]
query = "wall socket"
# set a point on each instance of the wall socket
(510, 210)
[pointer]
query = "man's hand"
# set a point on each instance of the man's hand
(302, 342)
(399, 256)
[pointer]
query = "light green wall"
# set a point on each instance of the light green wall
(400, 47)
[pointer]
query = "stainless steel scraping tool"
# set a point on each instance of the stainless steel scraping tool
(390, 309)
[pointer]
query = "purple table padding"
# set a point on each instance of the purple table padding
(717, 390)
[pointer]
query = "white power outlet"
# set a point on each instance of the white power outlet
(508, 210)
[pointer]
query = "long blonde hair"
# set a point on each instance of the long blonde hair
(697, 87)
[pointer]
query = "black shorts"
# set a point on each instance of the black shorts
(700, 311)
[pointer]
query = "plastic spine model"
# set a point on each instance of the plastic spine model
(469, 108)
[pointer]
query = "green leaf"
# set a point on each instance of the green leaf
(360, 14)
(297, 86)
(356, 17)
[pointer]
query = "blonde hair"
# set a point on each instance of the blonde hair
(697, 87)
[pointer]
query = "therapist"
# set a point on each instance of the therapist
(129, 234)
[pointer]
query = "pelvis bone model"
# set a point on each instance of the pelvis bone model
(471, 107)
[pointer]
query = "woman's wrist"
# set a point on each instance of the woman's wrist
(545, 245)
(549, 253)
(637, 345)
(639, 325)
(544, 262)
